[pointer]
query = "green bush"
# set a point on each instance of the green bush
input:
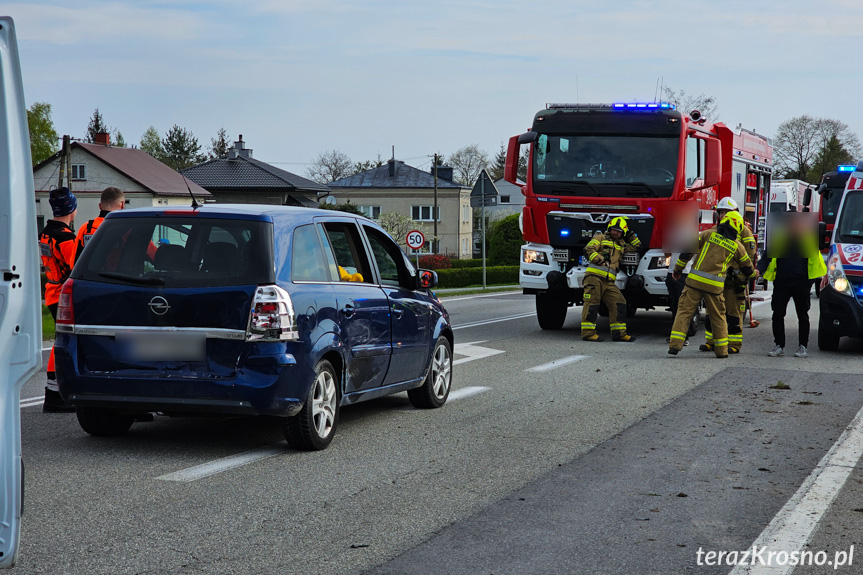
(505, 242)
(458, 264)
(464, 277)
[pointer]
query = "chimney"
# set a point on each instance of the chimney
(443, 172)
(103, 138)
(239, 149)
(391, 164)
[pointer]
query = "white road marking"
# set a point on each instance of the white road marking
(793, 526)
(218, 466)
(466, 392)
(557, 363)
(473, 351)
(500, 293)
(495, 320)
(31, 404)
(46, 349)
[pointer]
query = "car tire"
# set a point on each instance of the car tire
(435, 389)
(827, 341)
(313, 428)
(104, 422)
(550, 310)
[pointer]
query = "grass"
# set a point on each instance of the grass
(47, 323)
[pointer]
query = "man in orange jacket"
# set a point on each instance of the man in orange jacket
(112, 199)
(57, 248)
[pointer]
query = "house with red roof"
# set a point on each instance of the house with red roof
(145, 180)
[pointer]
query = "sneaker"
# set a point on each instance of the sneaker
(776, 351)
(593, 337)
(705, 347)
(801, 352)
(686, 342)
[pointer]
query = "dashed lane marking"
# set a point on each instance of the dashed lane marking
(473, 351)
(557, 363)
(494, 320)
(466, 392)
(224, 464)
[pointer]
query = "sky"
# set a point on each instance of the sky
(296, 78)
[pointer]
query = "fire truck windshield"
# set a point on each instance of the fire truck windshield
(830, 199)
(605, 165)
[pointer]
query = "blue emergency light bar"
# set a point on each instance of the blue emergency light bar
(564, 232)
(643, 105)
(845, 168)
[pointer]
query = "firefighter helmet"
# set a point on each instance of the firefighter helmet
(726, 204)
(734, 219)
(618, 223)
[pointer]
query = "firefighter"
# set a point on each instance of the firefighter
(57, 248)
(604, 253)
(735, 285)
(717, 250)
(112, 199)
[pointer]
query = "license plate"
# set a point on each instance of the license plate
(165, 346)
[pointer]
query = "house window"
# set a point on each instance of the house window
(371, 212)
(504, 199)
(464, 246)
(465, 214)
(424, 213)
(79, 172)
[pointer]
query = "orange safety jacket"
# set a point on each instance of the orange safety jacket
(57, 249)
(85, 233)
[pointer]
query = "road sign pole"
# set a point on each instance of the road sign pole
(482, 215)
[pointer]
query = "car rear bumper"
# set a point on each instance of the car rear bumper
(841, 315)
(265, 384)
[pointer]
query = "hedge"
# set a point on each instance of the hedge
(459, 264)
(464, 277)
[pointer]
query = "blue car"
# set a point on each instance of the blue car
(245, 309)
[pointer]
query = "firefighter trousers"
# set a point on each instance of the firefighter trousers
(714, 304)
(596, 291)
(735, 311)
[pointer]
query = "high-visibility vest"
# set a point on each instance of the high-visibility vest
(57, 250)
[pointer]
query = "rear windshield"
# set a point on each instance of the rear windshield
(179, 252)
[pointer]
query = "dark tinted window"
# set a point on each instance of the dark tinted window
(307, 258)
(179, 252)
(850, 226)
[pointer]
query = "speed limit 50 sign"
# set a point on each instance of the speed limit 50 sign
(415, 239)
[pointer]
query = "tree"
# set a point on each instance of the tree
(523, 160)
(805, 147)
(151, 142)
(329, 166)
(505, 242)
(360, 167)
(837, 144)
(345, 207)
(97, 125)
(687, 102)
(498, 165)
(398, 225)
(43, 136)
(119, 140)
(467, 163)
(219, 145)
(794, 147)
(181, 148)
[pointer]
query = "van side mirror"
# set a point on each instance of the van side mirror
(510, 171)
(426, 279)
(807, 198)
(823, 236)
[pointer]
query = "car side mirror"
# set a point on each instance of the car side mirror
(823, 236)
(426, 279)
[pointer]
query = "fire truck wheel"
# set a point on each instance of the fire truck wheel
(550, 310)
(631, 310)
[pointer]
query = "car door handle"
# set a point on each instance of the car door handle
(398, 312)
(348, 310)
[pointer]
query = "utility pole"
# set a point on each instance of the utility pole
(434, 209)
(64, 162)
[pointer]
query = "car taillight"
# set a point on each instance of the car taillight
(65, 310)
(272, 317)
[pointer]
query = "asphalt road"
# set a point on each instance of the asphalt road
(552, 456)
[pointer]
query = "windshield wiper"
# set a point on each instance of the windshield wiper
(644, 185)
(593, 188)
(133, 279)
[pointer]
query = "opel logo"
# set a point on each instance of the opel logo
(159, 305)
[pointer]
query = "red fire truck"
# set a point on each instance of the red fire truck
(662, 169)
